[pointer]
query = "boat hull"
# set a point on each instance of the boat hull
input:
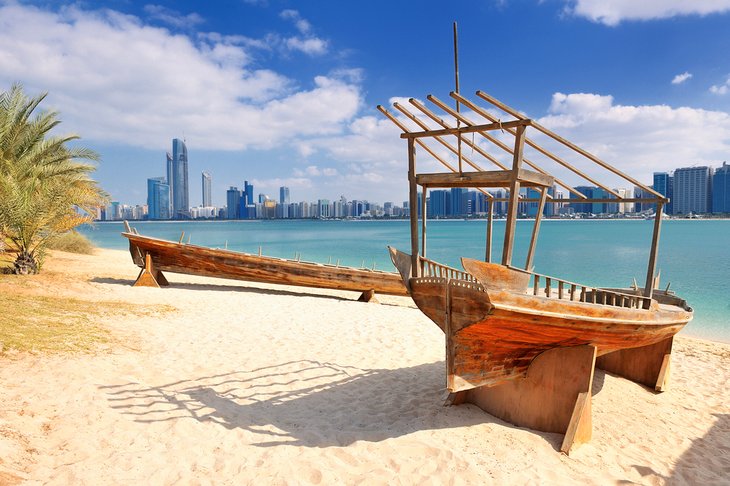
(189, 259)
(492, 335)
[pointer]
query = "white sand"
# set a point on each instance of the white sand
(247, 383)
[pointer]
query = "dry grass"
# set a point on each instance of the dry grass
(36, 317)
(72, 242)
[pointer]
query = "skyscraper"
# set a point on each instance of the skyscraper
(233, 198)
(179, 187)
(721, 189)
(693, 190)
(207, 201)
(170, 180)
(663, 183)
(158, 198)
(284, 195)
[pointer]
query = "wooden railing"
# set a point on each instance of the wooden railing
(545, 286)
(430, 268)
(552, 287)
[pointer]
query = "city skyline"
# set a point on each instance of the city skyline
(287, 91)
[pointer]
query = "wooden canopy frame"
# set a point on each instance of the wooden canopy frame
(435, 128)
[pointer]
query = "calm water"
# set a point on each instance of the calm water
(693, 255)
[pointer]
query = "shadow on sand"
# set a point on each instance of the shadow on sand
(308, 403)
(224, 288)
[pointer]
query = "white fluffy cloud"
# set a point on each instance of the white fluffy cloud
(640, 139)
(613, 12)
(721, 89)
(116, 79)
(681, 78)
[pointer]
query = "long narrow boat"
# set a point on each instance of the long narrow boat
(521, 345)
(155, 255)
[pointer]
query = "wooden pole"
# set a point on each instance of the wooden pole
(536, 230)
(413, 204)
(649, 287)
(490, 217)
(423, 222)
(514, 194)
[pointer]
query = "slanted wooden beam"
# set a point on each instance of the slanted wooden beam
(420, 143)
(497, 142)
(565, 142)
(537, 147)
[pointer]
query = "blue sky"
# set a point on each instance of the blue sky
(284, 92)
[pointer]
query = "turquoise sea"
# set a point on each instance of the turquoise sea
(694, 255)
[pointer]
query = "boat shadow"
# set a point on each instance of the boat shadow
(308, 403)
(226, 287)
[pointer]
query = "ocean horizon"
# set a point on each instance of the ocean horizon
(608, 253)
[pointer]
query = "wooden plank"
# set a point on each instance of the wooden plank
(492, 178)
(494, 276)
(580, 428)
(467, 129)
(647, 365)
(546, 398)
(146, 277)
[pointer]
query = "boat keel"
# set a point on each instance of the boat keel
(555, 396)
(648, 365)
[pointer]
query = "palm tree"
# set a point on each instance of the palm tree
(45, 185)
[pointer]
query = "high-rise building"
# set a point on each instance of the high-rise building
(158, 198)
(458, 201)
(179, 187)
(233, 201)
(440, 203)
(207, 182)
(581, 207)
(248, 190)
(170, 179)
(721, 189)
(693, 190)
(663, 184)
(284, 195)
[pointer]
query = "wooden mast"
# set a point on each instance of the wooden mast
(456, 84)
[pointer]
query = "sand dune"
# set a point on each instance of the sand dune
(235, 383)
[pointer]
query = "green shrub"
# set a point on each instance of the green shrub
(72, 242)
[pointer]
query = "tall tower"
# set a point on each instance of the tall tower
(180, 191)
(283, 195)
(170, 182)
(206, 190)
(721, 189)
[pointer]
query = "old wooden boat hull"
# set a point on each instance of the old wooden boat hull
(494, 332)
(169, 256)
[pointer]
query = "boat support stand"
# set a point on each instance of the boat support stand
(150, 276)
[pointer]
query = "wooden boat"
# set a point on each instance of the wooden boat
(155, 255)
(521, 345)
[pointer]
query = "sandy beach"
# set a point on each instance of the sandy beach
(218, 382)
